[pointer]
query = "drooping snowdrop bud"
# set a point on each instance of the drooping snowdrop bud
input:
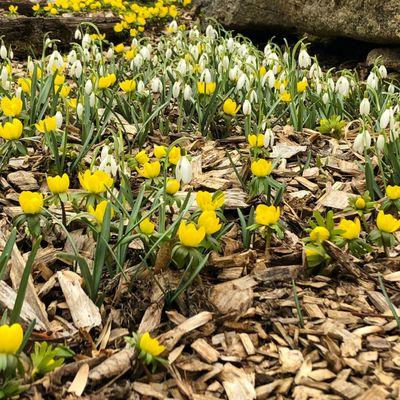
(71, 58)
(10, 54)
(246, 107)
(206, 76)
(365, 106)
(182, 67)
(241, 81)
(18, 92)
(380, 143)
(187, 93)
(391, 88)
(253, 97)
(138, 61)
(156, 85)
(318, 88)
(343, 86)
(385, 118)
(59, 119)
(304, 59)
(331, 84)
(168, 53)
(92, 100)
(78, 35)
(210, 32)
(110, 53)
(362, 142)
(233, 73)
(145, 53)
(88, 87)
(325, 98)
(176, 89)
(4, 75)
(230, 44)
(269, 138)
(270, 78)
(78, 69)
(79, 110)
(183, 171)
(285, 56)
(173, 26)
(382, 71)
(372, 80)
(3, 52)
(98, 57)
(86, 40)
(225, 62)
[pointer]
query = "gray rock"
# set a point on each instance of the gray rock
(376, 21)
(388, 56)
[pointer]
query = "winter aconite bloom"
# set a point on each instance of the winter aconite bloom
(261, 168)
(159, 151)
(230, 107)
(360, 203)
(351, 229)
(319, 234)
(174, 155)
(11, 107)
(387, 223)
(58, 184)
(286, 97)
(10, 338)
(207, 202)
(267, 215)
(106, 81)
(11, 130)
(206, 88)
(99, 212)
(150, 170)
(128, 85)
(256, 140)
(150, 346)
(48, 124)
(393, 192)
(172, 186)
(142, 157)
(96, 183)
(210, 222)
(189, 235)
(31, 202)
(302, 86)
(146, 226)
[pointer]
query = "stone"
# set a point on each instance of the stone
(388, 56)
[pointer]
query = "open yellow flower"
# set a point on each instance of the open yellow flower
(31, 202)
(360, 203)
(142, 157)
(189, 235)
(98, 182)
(267, 215)
(210, 222)
(174, 155)
(99, 212)
(106, 81)
(159, 151)
(11, 130)
(11, 107)
(25, 84)
(286, 97)
(150, 346)
(48, 124)
(172, 186)
(302, 85)
(128, 86)
(58, 184)
(256, 140)
(10, 338)
(146, 226)
(352, 229)
(206, 88)
(393, 192)
(319, 234)
(206, 202)
(387, 223)
(230, 107)
(150, 170)
(261, 168)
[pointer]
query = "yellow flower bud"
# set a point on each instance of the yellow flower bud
(58, 184)
(261, 168)
(189, 235)
(10, 338)
(31, 202)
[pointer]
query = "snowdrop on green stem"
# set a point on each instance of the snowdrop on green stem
(343, 86)
(362, 142)
(304, 59)
(3, 52)
(183, 170)
(365, 107)
(373, 80)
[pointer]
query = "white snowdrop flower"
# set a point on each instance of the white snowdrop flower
(138, 61)
(246, 107)
(101, 70)
(47, 43)
(59, 119)
(176, 89)
(318, 88)
(362, 142)
(206, 76)
(30, 66)
(110, 53)
(183, 170)
(193, 33)
(88, 87)
(382, 71)
(269, 138)
(225, 62)
(145, 53)
(391, 88)
(98, 57)
(343, 86)
(285, 56)
(92, 100)
(79, 110)
(107, 162)
(10, 54)
(365, 106)
(304, 59)
(194, 51)
(86, 41)
(187, 93)
(160, 46)
(253, 97)
(315, 71)
(182, 67)
(168, 53)
(372, 80)
(267, 50)
(241, 81)
(233, 73)
(394, 133)
(331, 84)
(230, 44)
(4, 75)
(78, 35)
(380, 143)
(385, 118)
(3, 52)
(18, 92)
(141, 88)
(173, 26)
(220, 68)
(325, 98)
(270, 78)
(71, 58)
(154, 60)
(210, 32)
(156, 85)
(78, 69)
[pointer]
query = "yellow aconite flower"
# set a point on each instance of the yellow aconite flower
(107, 81)
(11, 130)
(128, 85)
(262, 70)
(10, 338)
(206, 202)
(36, 7)
(393, 192)
(98, 182)
(189, 235)
(302, 86)
(174, 155)
(206, 88)
(387, 223)
(311, 252)
(150, 170)
(31, 202)
(142, 157)
(48, 124)
(261, 168)
(286, 97)
(172, 186)
(230, 107)
(150, 346)
(11, 107)
(267, 215)
(146, 226)
(119, 48)
(210, 222)
(58, 184)
(256, 140)
(319, 234)
(160, 151)
(25, 84)
(360, 203)
(352, 229)
(99, 212)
